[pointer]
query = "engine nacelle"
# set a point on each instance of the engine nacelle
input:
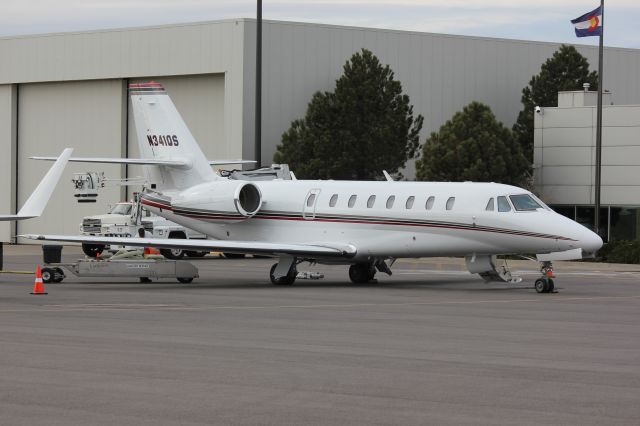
(219, 201)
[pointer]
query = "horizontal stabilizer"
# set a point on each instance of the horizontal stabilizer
(246, 247)
(144, 161)
(574, 254)
(136, 161)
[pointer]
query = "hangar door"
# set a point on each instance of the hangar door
(85, 115)
(200, 101)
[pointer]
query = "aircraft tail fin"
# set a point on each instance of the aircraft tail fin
(162, 134)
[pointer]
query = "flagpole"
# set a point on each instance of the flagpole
(599, 124)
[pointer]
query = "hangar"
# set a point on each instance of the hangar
(69, 89)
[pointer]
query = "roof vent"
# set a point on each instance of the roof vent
(586, 86)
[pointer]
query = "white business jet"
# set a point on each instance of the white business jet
(363, 224)
(35, 204)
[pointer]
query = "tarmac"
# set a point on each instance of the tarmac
(431, 344)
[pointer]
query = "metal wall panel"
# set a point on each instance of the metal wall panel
(441, 73)
(8, 95)
(565, 138)
(168, 50)
(621, 136)
(568, 194)
(621, 115)
(200, 101)
(84, 115)
(620, 195)
(567, 175)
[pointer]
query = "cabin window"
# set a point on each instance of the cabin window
(409, 203)
(429, 204)
(450, 202)
(390, 201)
(490, 205)
(310, 200)
(352, 201)
(333, 200)
(524, 202)
(503, 204)
(371, 201)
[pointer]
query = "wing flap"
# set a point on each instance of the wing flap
(247, 247)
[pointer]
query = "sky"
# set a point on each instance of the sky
(541, 20)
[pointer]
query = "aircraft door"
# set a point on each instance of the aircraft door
(310, 202)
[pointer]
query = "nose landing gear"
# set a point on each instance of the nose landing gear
(545, 283)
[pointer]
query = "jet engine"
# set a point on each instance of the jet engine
(219, 201)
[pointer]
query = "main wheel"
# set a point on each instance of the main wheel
(92, 250)
(191, 253)
(234, 255)
(185, 280)
(173, 254)
(47, 275)
(542, 285)
(288, 279)
(361, 273)
(58, 275)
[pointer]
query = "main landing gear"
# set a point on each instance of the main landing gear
(284, 272)
(545, 283)
(361, 273)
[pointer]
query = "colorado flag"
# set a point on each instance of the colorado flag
(589, 24)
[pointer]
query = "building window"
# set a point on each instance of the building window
(450, 202)
(371, 201)
(429, 204)
(311, 199)
(625, 223)
(390, 201)
(409, 203)
(566, 211)
(490, 205)
(585, 216)
(503, 204)
(352, 201)
(333, 200)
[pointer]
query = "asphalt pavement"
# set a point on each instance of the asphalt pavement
(430, 345)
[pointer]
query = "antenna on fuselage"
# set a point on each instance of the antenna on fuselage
(387, 176)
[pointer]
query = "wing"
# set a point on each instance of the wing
(137, 161)
(35, 204)
(249, 247)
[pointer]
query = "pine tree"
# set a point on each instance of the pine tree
(567, 69)
(365, 126)
(473, 146)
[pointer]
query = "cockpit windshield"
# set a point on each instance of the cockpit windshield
(123, 209)
(524, 202)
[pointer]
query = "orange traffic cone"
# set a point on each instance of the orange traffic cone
(38, 287)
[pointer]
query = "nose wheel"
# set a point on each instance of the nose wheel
(545, 283)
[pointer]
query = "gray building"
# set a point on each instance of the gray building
(59, 90)
(564, 162)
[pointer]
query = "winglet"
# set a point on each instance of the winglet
(35, 204)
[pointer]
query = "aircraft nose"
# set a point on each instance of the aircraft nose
(590, 242)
